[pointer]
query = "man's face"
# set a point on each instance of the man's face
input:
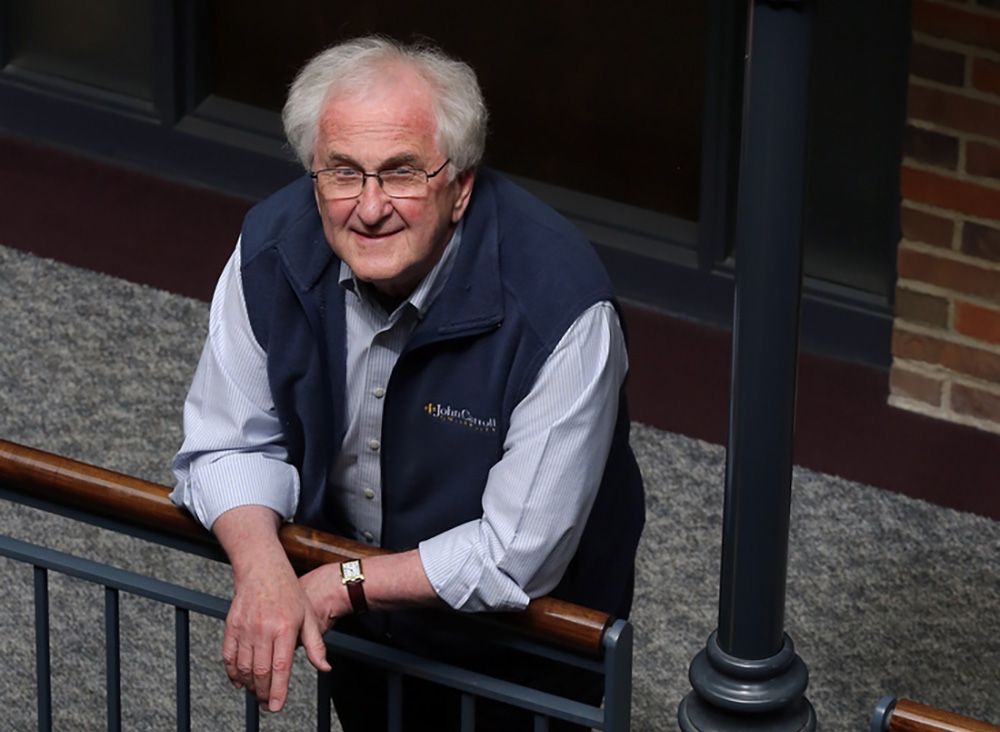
(391, 243)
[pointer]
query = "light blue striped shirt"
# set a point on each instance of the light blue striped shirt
(537, 497)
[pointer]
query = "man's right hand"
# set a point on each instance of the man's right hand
(270, 612)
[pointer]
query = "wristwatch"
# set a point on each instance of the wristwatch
(353, 578)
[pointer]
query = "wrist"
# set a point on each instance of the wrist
(249, 536)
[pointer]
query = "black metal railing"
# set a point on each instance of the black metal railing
(114, 581)
(549, 628)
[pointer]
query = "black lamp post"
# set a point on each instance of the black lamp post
(749, 677)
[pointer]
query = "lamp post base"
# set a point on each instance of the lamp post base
(733, 694)
(696, 715)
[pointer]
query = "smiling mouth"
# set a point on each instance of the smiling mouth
(374, 235)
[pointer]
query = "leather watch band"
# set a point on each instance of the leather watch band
(353, 577)
(356, 591)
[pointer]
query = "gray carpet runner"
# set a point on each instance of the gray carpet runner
(886, 594)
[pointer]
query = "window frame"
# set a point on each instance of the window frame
(655, 260)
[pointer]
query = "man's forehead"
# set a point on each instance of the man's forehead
(409, 141)
(389, 105)
(393, 121)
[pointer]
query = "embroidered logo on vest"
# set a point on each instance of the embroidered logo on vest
(462, 417)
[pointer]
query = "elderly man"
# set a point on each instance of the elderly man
(414, 353)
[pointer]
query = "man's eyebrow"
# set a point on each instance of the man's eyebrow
(400, 160)
(403, 160)
(335, 159)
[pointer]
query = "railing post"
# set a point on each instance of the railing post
(324, 689)
(618, 677)
(749, 676)
(112, 640)
(43, 658)
(395, 707)
(251, 711)
(182, 633)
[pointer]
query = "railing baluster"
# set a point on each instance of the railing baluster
(324, 686)
(43, 667)
(541, 723)
(618, 677)
(182, 627)
(395, 702)
(112, 640)
(253, 713)
(468, 713)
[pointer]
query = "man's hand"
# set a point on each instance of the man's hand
(270, 612)
(273, 609)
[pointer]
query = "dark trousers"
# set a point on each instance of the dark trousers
(360, 696)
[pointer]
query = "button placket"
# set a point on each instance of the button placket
(372, 404)
(383, 338)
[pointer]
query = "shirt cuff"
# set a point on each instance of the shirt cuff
(463, 577)
(219, 484)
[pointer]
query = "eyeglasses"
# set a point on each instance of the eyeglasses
(342, 183)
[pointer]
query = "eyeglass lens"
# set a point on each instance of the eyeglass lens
(348, 183)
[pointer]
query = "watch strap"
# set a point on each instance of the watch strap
(356, 591)
(353, 577)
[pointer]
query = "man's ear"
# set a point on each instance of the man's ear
(464, 182)
(319, 199)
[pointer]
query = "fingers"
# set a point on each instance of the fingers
(258, 669)
(279, 672)
(261, 660)
(247, 659)
(230, 653)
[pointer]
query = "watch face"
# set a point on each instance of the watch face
(351, 571)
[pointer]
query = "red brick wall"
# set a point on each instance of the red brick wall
(946, 340)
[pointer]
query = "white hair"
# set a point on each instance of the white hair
(353, 65)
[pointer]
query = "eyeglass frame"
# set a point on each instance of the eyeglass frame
(378, 176)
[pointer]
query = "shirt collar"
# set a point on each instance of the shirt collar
(428, 289)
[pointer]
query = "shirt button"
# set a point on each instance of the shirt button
(374, 444)
(379, 392)
(369, 536)
(369, 493)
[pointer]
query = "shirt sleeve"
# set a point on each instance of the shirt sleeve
(233, 452)
(539, 495)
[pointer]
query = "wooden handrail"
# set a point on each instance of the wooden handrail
(909, 716)
(141, 503)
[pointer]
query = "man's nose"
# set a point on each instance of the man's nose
(373, 204)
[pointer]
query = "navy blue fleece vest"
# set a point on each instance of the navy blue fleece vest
(521, 277)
